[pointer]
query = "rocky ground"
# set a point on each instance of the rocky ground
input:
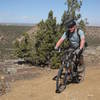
(92, 55)
(43, 87)
(36, 83)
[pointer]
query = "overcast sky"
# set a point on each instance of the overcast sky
(32, 11)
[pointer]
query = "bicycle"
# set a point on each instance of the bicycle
(69, 71)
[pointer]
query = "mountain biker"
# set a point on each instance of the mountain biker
(76, 38)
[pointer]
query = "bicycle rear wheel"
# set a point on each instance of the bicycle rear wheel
(81, 72)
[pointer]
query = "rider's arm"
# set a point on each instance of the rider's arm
(82, 42)
(82, 37)
(61, 40)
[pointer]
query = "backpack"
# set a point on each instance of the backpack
(86, 44)
(68, 36)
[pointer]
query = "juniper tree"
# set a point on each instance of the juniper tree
(73, 11)
(46, 39)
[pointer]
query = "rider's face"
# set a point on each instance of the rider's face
(72, 29)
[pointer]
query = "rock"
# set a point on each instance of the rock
(98, 48)
(11, 71)
(4, 85)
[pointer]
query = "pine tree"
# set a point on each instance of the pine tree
(46, 39)
(73, 7)
(73, 12)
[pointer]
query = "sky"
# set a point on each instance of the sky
(33, 11)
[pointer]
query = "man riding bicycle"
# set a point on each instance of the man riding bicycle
(76, 38)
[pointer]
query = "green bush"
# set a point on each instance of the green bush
(41, 51)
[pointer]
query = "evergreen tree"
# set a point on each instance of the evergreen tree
(46, 39)
(82, 25)
(73, 12)
(73, 7)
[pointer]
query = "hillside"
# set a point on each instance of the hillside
(7, 35)
(93, 35)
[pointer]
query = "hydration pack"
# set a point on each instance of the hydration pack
(70, 35)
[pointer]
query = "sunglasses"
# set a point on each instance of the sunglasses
(70, 26)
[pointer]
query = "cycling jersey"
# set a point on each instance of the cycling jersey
(74, 38)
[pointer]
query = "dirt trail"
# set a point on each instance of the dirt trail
(43, 88)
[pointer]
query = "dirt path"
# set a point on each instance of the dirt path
(43, 88)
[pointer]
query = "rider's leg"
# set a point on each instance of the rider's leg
(81, 60)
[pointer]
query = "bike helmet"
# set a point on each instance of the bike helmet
(70, 23)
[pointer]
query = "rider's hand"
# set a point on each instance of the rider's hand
(56, 48)
(78, 51)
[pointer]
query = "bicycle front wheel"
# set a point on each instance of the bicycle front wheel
(60, 81)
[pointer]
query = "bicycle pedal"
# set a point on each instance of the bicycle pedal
(54, 78)
(63, 87)
(74, 74)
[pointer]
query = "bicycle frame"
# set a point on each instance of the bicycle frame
(65, 73)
